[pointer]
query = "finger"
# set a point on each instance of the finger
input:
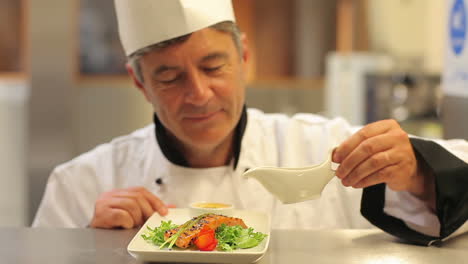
(156, 203)
(121, 218)
(380, 176)
(371, 166)
(363, 134)
(171, 206)
(145, 206)
(364, 151)
(129, 205)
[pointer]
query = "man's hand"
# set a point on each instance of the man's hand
(382, 153)
(126, 208)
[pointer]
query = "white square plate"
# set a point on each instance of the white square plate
(145, 251)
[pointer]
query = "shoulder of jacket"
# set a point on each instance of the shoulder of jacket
(303, 118)
(258, 116)
(120, 149)
(280, 124)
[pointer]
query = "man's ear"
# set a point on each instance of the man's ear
(248, 64)
(245, 48)
(135, 80)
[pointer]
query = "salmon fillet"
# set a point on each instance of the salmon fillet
(213, 221)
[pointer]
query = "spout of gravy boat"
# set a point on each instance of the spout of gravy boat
(294, 185)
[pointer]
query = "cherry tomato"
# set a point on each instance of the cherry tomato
(206, 240)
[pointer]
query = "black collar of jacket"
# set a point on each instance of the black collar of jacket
(175, 156)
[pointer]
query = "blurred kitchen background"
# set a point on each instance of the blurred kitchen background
(63, 87)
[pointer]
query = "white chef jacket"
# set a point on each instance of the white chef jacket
(269, 140)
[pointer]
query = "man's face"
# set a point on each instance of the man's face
(197, 87)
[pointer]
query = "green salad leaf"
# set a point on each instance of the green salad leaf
(229, 237)
(156, 235)
(234, 237)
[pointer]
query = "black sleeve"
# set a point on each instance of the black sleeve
(451, 181)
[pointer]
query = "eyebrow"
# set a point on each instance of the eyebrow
(215, 55)
(164, 68)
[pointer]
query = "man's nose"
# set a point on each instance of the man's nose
(198, 89)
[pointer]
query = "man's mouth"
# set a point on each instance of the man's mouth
(202, 117)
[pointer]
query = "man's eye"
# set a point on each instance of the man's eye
(213, 69)
(170, 81)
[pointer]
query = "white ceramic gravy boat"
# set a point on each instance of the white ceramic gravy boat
(294, 185)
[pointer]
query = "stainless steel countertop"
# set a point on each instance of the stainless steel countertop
(67, 246)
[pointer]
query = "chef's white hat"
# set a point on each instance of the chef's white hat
(146, 22)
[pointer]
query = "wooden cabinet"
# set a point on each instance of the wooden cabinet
(12, 37)
(269, 26)
(352, 28)
(283, 37)
(289, 39)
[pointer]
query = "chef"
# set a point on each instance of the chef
(189, 59)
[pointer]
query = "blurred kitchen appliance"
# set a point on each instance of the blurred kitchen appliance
(345, 93)
(14, 95)
(365, 88)
(401, 96)
(411, 98)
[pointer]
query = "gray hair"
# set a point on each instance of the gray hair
(226, 26)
